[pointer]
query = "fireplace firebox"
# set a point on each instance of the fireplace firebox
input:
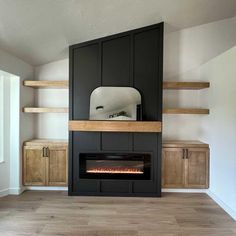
(115, 166)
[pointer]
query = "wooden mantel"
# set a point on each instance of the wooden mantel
(115, 126)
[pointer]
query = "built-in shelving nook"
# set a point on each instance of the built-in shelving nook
(172, 85)
(46, 84)
(49, 157)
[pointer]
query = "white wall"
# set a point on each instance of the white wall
(206, 53)
(13, 65)
(220, 127)
(52, 125)
(5, 164)
(184, 52)
(1, 117)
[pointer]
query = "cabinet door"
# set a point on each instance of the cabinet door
(173, 168)
(196, 168)
(57, 166)
(34, 166)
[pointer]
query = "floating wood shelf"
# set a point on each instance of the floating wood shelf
(186, 111)
(185, 85)
(115, 126)
(59, 84)
(64, 84)
(45, 110)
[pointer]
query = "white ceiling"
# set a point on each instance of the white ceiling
(40, 31)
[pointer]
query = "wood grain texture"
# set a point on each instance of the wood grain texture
(45, 110)
(57, 168)
(185, 85)
(115, 126)
(59, 84)
(45, 163)
(34, 167)
(173, 173)
(184, 144)
(54, 213)
(189, 111)
(185, 165)
(197, 168)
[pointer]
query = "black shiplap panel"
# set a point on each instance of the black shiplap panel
(144, 186)
(116, 141)
(84, 141)
(116, 62)
(85, 78)
(146, 61)
(87, 186)
(115, 186)
(145, 141)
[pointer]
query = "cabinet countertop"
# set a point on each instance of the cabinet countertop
(49, 142)
(184, 143)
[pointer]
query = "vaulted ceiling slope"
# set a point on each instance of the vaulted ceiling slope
(40, 31)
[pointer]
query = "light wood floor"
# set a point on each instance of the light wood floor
(54, 213)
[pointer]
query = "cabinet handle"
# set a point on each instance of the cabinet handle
(47, 152)
(186, 153)
(44, 152)
(183, 154)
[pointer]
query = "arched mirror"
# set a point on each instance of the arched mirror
(115, 103)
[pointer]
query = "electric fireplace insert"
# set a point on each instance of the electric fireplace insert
(115, 166)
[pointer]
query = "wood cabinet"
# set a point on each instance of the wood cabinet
(45, 163)
(172, 168)
(34, 166)
(185, 165)
(57, 166)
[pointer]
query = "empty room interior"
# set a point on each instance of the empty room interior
(118, 117)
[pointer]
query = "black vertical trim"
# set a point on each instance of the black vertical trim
(132, 60)
(160, 103)
(70, 150)
(100, 62)
(160, 69)
(132, 77)
(100, 76)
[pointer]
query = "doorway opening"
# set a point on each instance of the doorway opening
(9, 131)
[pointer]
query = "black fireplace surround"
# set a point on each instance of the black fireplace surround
(117, 163)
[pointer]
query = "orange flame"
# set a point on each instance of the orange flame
(115, 170)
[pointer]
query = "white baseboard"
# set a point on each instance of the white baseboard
(222, 204)
(16, 191)
(11, 191)
(4, 192)
(183, 190)
(46, 188)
